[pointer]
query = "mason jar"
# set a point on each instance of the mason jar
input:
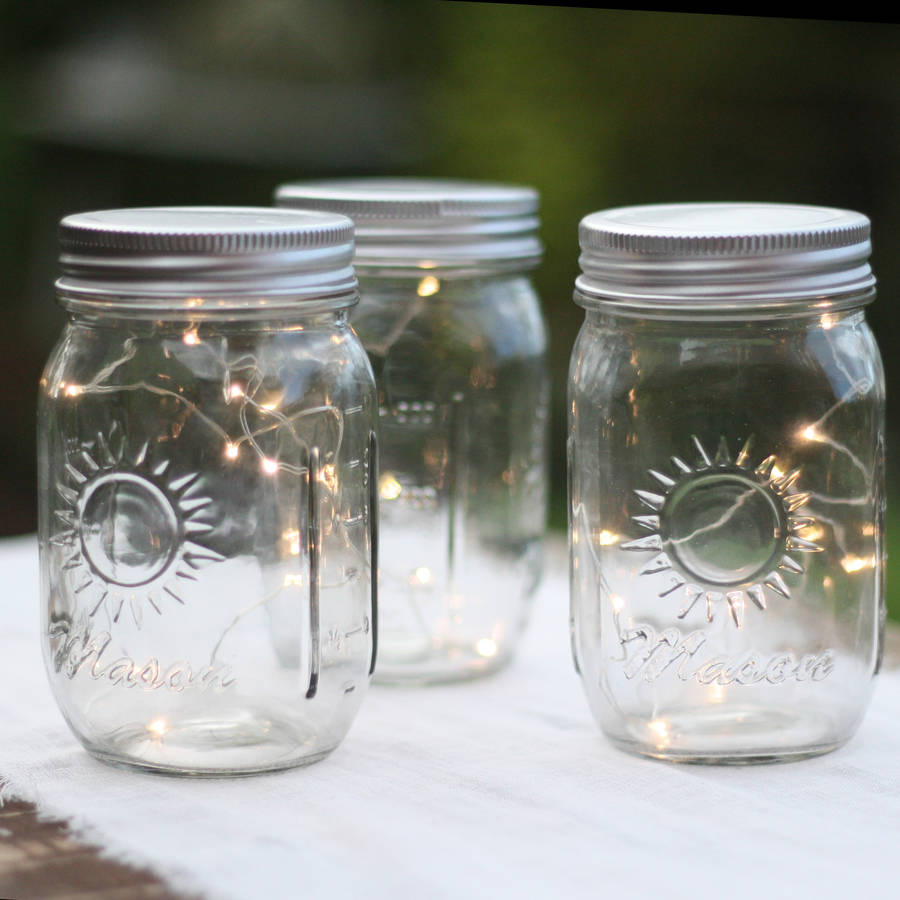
(726, 479)
(206, 480)
(453, 328)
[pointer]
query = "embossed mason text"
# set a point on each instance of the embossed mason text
(648, 655)
(78, 649)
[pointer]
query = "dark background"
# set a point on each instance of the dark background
(125, 103)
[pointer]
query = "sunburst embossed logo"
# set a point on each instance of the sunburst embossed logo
(724, 529)
(133, 529)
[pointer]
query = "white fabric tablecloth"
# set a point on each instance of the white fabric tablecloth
(501, 787)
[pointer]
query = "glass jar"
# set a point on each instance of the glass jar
(726, 479)
(206, 453)
(453, 328)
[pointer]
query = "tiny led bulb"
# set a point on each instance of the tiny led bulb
(428, 286)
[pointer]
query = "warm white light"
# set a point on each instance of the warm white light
(868, 530)
(190, 337)
(486, 647)
(827, 321)
(194, 301)
(232, 450)
(660, 727)
(236, 391)
(73, 390)
(716, 693)
(158, 727)
(617, 603)
(269, 466)
(827, 582)
(810, 434)
(777, 473)
(292, 580)
(328, 476)
(292, 538)
(388, 487)
(428, 286)
(422, 575)
(605, 538)
(852, 564)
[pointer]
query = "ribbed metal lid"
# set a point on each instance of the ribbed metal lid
(723, 253)
(241, 256)
(417, 222)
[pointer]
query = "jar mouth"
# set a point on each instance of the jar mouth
(738, 307)
(119, 300)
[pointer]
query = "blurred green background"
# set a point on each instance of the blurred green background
(127, 103)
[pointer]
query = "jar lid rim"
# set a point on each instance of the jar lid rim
(428, 222)
(206, 251)
(720, 251)
(410, 198)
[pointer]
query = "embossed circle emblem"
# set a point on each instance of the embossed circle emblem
(133, 531)
(129, 530)
(723, 530)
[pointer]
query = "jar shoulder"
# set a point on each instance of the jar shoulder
(171, 357)
(493, 318)
(836, 356)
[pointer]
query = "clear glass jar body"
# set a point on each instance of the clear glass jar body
(463, 407)
(206, 536)
(726, 530)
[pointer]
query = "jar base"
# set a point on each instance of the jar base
(738, 736)
(207, 748)
(709, 759)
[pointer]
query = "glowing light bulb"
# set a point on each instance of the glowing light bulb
(422, 575)
(191, 338)
(292, 538)
(660, 727)
(158, 727)
(236, 391)
(269, 466)
(852, 564)
(617, 603)
(486, 648)
(74, 390)
(716, 693)
(388, 487)
(231, 450)
(605, 538)
(328, 476)
(428, 286)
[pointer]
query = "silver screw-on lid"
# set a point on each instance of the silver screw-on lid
(708, 254)
(234, 256)
(432, 223)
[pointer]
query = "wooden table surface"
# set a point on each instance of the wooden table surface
(39, 860)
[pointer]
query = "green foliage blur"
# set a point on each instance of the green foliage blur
(596, 108)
